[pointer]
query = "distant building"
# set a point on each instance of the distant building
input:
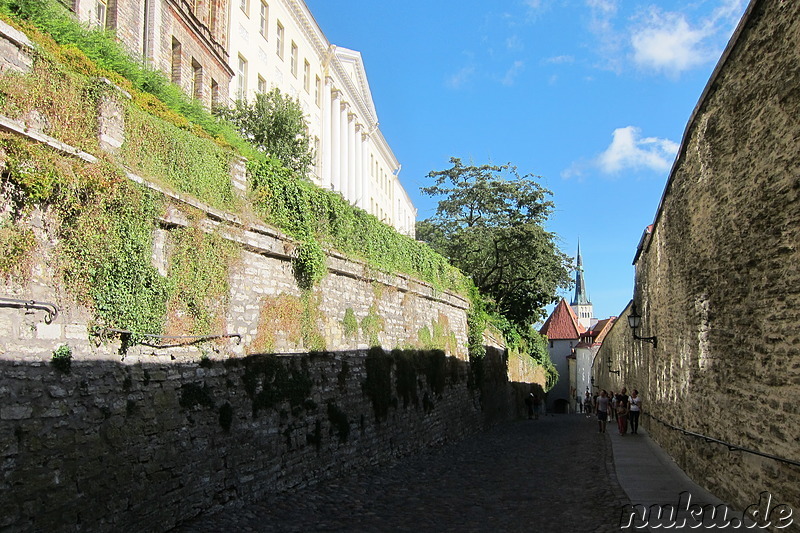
(581, 304)
(585, 352)
(222, 50)
(574, 337)
(563, 331)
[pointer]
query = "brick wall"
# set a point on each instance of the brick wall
(718, 280)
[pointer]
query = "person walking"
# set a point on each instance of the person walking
(622, 398)
(587, 404)
(622, 417)
(529, 405)
(635, 410)
(602, 410)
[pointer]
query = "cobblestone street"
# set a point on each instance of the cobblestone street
(551, 474)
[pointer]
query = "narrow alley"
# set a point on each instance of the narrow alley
(551, 474)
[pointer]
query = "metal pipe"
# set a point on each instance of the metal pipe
(731, 447)
(49, 308)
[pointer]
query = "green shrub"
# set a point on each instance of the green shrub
(62, 359)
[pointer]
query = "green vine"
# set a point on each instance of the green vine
(62, 359)
(372, 325)
(350, 323)
(199, 274)
(17, 244)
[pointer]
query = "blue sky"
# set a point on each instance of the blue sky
(591, 95)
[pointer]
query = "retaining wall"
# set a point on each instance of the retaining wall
(142, 437)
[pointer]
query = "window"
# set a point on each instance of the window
(294, 60)
(307, 75)
(241, 79)
(264, 20)
(279, 40)
(215, 94)
(101, 12)
(212, 16)
(262, 84)
(318, 92)
(175, 70)
(197, 80)
(245, 6)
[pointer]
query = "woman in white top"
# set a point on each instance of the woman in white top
(635, 410)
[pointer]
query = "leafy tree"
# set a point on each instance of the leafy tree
(276, 125)
(490, 224)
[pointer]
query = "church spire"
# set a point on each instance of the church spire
(581, 297)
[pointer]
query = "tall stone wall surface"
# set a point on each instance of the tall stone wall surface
(140, 438)
(299, 386)
(718, 282)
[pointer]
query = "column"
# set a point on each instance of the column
(366, 192)
(335, 136)
(359, 162)
(351, 158)
(343, 150)
(327, 138)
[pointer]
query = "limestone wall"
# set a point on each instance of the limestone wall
(718, 281)
(139, 438)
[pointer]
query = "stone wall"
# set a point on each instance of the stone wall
(717, 280)
(142, 437)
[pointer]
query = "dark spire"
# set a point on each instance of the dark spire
(581, 298)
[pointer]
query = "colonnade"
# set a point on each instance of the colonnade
(345, 148)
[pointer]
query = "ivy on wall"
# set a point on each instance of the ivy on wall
(162, 152)
(199, 272)
(171, 139)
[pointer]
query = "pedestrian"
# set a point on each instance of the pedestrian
(622, 397)
(622, 416)
(529, 405)
(536, 406)
(612, 400)
(602, 410)
(635, 410)
(587, 404)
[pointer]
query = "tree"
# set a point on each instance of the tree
(276, 125)
(490, 224)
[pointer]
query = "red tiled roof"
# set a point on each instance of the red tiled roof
(602, 328)
(562, 324)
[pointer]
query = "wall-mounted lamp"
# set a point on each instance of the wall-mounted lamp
(635, 321)
(609, 367)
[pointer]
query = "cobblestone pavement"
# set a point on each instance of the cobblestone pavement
(551, 474)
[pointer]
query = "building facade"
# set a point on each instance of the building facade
(187, 40)
(218, 51)
(563, 332)
(277, 43)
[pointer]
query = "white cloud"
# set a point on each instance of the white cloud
(514, 43)
(666, 42)
(556, 60)
(629, 151)
(609, 43)
(671, 43)
(460, 78)
(512, 73)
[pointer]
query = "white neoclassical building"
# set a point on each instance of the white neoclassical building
(277, 43)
